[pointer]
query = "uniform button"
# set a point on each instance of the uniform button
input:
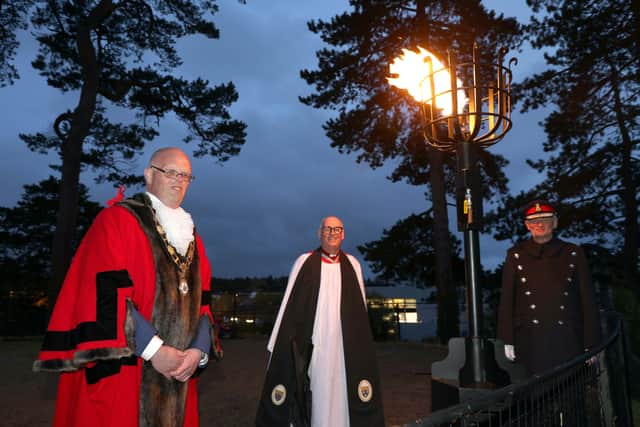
(519, 267)
(562, 307)
(560, 322)
(573, 253)
(571, 266)
(569, 279)
(523, 280)
(533, 306)
(527, 293)
(566, 293)
(535, 321)
(516, 255)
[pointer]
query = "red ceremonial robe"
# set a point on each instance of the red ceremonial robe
(90, 337)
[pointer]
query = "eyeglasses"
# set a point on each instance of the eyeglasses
(174, 174)
(332, 230)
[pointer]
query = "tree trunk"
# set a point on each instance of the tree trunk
(72, 151)
(448, 320)
(628, 193)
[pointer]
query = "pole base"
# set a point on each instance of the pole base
(473, 367)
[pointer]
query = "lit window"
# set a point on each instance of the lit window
(404, 308)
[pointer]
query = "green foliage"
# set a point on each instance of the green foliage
(491, 286)
(26, 233)
(627, 303)
(13, 17)
(122, 54)
(26, 236)
(404, 253)
(380, 122)
(506, 220)
(375, 120)
(592, 83)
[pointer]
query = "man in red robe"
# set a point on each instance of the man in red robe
(132, 323)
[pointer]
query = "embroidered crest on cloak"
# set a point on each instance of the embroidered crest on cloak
(293, 350)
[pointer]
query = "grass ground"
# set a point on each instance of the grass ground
(229, 389)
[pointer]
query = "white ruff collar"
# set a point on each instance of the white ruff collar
(177, 223)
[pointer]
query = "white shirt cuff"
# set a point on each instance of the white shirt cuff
(152, 348)
(203, 360)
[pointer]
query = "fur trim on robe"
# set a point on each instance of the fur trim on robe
(90, 334)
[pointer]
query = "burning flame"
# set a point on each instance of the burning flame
(413, 75)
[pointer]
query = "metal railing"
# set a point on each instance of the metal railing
(590, 390)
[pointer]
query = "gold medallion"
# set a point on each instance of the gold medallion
(184, 287)
(365, 391)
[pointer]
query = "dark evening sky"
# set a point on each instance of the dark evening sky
(259, 210)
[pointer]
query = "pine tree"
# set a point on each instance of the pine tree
(382, 123)
(13, 17)
(122, 55)
(26, 231)
(593, 133)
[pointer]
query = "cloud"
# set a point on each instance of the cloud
(260, 210)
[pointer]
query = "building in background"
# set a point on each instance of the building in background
(396, 311)
(406, 310)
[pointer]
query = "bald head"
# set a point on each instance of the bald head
(331, 234)
(168, 175)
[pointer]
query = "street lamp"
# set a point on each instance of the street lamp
(465, 106)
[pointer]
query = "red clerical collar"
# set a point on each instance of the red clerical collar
(327, 257)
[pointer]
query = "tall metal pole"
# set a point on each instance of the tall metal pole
(474, 290)
(469, 206)
(479, 121)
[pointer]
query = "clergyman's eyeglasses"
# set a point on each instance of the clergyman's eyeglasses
(332, 230)
(174, 174)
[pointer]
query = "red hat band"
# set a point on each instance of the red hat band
(539, 210)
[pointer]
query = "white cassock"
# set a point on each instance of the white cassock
(329, 407)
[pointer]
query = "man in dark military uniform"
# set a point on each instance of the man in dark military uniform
(547, 312)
